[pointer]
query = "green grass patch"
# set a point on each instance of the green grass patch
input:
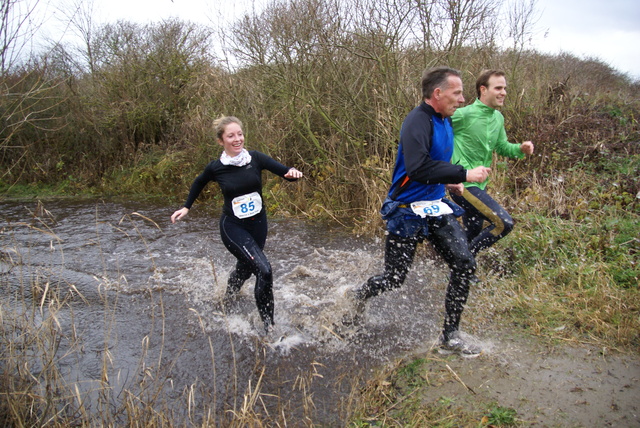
(569, 279)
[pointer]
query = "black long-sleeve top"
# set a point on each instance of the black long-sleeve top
(236, 181)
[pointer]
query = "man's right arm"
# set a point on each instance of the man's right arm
(416, 146)
(478, 174)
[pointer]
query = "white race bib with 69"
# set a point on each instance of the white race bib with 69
(430, 208)
(247, 205)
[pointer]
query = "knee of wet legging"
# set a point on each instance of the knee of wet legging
(237, 278)
(242, 274)
(378, 284)
(508, 225)
(465, 267)
(371, 288)
(265, 273)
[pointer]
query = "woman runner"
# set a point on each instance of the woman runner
(243, 223)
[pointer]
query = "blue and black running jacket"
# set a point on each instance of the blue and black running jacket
(424, 153)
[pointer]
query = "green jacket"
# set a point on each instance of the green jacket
(478, 131)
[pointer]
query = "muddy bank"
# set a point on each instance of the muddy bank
(548, 386)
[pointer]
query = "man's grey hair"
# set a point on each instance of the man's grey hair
(437, 77)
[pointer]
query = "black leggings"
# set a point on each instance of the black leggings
(479, 206)
(449, 240)
(245, 239)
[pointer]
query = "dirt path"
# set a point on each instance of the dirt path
(548, 387)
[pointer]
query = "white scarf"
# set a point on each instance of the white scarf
(240, 160)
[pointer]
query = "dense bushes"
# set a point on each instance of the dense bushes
(323, 85)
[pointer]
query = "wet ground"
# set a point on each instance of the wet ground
(142, 302)
(548, 386)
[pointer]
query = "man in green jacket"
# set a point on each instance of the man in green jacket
(478, 133)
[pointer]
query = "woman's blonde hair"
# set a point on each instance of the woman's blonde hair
(221, 123)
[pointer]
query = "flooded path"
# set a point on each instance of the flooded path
(138, 299)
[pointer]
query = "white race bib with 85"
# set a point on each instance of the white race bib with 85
(430, 208)
(247, 205)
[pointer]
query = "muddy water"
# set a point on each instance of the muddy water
(141, 303)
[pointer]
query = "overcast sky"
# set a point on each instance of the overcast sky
(605, 29)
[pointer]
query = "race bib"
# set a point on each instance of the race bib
(247, 205)
(430, 208)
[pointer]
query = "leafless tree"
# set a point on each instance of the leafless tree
(18, 25)
(26, 102)
(79, 18)
(522, 17)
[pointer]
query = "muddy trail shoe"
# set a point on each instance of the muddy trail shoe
(230, 301)
(357, 305)
(269, 329)
(458, 345)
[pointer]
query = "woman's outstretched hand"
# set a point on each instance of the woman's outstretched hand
(179, 214)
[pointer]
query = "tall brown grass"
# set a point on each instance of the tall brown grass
(36, 393)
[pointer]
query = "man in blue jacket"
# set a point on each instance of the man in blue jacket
(415, 208)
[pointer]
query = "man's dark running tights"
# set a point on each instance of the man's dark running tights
(245, 239)
(479, 206)
(449, 240)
